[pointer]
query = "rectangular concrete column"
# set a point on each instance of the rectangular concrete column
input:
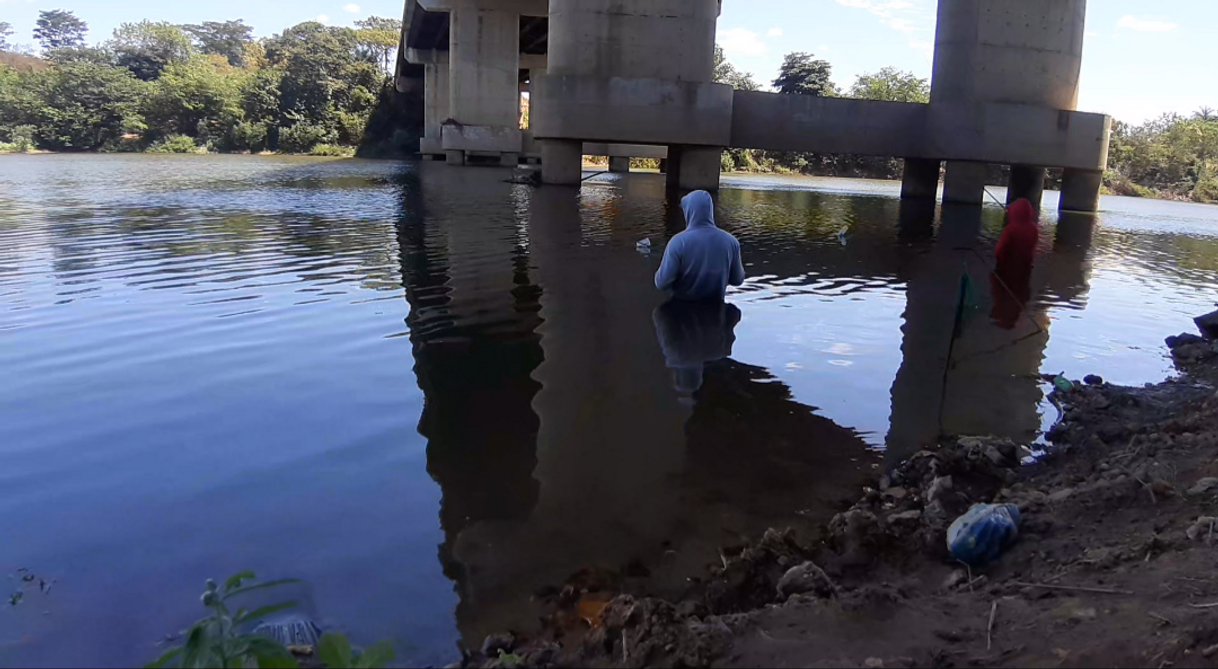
(1027, 183)
(964, 182)
(1081, 190)
(920, 180)
(620, 165)
(484, 56)
(561, 161)
(695, 167)
(435, 106)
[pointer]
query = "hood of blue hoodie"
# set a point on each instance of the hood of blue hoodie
(699, 210)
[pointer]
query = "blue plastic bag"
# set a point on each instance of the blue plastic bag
(981, 534)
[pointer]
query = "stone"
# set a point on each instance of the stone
(803, 579)
(907, 517)
(1061, 495)
(1208, 324)
(938, 487)
(1201, 527)
(497, 642)
(1205, 485)
(1093, 380)
(873, 663)
(954, 579)
(897, 493)
(1185, 339)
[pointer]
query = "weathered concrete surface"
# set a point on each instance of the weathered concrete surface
(1019, 135)
(521, 7)
(964, 182)
(1019, 51)
(625, 150)
(435, 106)
(561, 162)
(631, 111)
(699, 168)
(1028, 183)
(1081, 190)
(920, 180)
(481, 138)
(485, 67)
(619, 165)
(633, 39)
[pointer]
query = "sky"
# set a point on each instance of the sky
(1141, 58)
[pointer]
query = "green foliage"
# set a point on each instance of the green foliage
(1172, 155)
(252, 137)
(332, 150)
(216, 641)
(20, 140)
(378, 39)
(891, 85)
(174, 144)
(6, 31)
(147, 48)
(56, 29)
(802, 74)
(726, 73)
(75, 106)
(200, 98)
(302, 136)
(228, 39)
(335, 651)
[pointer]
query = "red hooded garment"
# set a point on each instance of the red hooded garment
(1014, 254)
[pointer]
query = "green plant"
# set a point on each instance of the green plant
(175, 144)
(332, 150)
(302, 137)
(216, 641)
(335, 651)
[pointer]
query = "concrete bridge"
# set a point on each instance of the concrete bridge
(634, 78)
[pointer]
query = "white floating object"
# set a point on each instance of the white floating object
(643, 244)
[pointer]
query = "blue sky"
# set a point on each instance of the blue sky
(1141, 58)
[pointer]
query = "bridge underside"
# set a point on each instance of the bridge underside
(628, 78)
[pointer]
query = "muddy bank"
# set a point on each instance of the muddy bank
(1115, 564)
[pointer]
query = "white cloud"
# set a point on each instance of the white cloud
(1091, 33)
(774, 32)
(1145, 24)
(901, 15)
(741, 41)
(927, 49)
(352, 8)
(322, 18)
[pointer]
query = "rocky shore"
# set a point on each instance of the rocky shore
(1115, 564)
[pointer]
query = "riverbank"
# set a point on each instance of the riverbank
(1113, 567)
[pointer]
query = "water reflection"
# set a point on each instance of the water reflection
(693, 334)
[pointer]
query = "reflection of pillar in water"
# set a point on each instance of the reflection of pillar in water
(1069, 272)
(473, 318)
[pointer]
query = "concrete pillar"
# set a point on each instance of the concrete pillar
(561, 161)
(620, 165)
(964, 182)
(455, 157)
(1081, 190)
(694, 167)
(663, 166)
(484, 55)
(507, 159)
(1027, 183)
(920, 180)
(1020, 51)
(435, 106)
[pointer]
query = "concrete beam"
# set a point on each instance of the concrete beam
(1081, 190)
(625, 150)
(631, 111)
(521, 7)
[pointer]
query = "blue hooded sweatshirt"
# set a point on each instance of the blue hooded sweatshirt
(701, 262)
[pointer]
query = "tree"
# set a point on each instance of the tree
(200, 98)
(801, 74)
(6, 31)
(228, 39)
(726, 73)
(1206, 114)
(57, 28)
(378, 37)
(147, 48)
(891, 85)
(80, 105)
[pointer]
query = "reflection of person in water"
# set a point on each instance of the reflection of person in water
(1010, 284)
(701, 262)
(693, 334)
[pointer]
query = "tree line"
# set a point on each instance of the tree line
(156, 86)
(1173, 157)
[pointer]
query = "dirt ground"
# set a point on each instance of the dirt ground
(1116, 563)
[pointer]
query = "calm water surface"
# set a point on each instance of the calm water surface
(428, 393)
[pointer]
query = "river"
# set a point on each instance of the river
(429, 393)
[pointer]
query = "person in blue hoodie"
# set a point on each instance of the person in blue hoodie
(700, 263)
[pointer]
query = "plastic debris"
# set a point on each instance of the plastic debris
(1062, 383)
(643, 243)
(981, 534)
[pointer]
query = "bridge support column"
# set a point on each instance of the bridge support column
(561, 161)
(455, 157)
(920, 180)
(1027, 183)
(435, 107)
(619, 165)
(1081, 190)
(964, 182)
(484, 86)
(694, 167)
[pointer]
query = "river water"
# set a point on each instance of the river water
(428, 393)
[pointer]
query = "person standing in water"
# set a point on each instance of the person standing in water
(701, 262)
(1011, 281)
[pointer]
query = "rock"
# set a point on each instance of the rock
(1061, 495)
(1208, 324)
(937, 488)
(907, 517)
(1201, 527)
(1093, 380)
(1192, 352)
(803, 579)
(1185, 339)
(954, 579)
(1203, 486)
(497, 642)
(897, 493)
(874, 663)
(885, 483)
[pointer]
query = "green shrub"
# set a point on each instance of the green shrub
(174, 144)
(303, 136)
(1206, 191)
(250, 137)
(21, 139)
(332, 150)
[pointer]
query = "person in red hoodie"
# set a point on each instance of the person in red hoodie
(1011, 282)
